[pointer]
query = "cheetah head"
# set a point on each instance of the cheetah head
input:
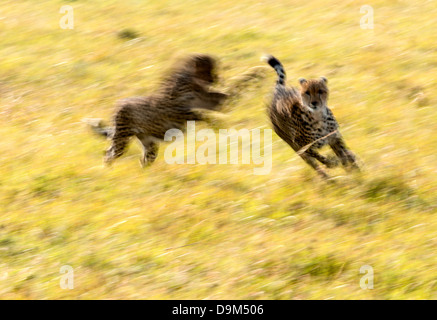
(314, 92)
(203, 67)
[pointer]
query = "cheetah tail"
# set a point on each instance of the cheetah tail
(275, 64)
(98, 127)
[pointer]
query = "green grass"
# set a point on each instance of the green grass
(216, 231)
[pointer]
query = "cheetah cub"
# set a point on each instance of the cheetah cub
(182, 95)
(304, 121)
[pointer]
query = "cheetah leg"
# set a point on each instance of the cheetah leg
(150, 150)
(117, 148)
(212, 100)
(310, 160)
(327, 161)
(346, 156)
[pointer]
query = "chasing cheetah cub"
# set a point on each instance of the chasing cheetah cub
(182, 96)
(304, 121)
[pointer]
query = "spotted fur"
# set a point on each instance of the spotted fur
(303, 120)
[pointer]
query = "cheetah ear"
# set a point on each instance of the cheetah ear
(324, 79)
(302, 81)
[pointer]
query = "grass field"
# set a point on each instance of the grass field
(216, 231)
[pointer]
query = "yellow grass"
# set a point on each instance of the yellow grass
(216, 231)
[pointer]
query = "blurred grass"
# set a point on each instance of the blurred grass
(216, 231)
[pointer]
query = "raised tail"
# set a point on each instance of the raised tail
(275, 64)
(98, 127)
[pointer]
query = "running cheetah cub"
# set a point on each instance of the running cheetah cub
(182, 96)
(304, 121)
